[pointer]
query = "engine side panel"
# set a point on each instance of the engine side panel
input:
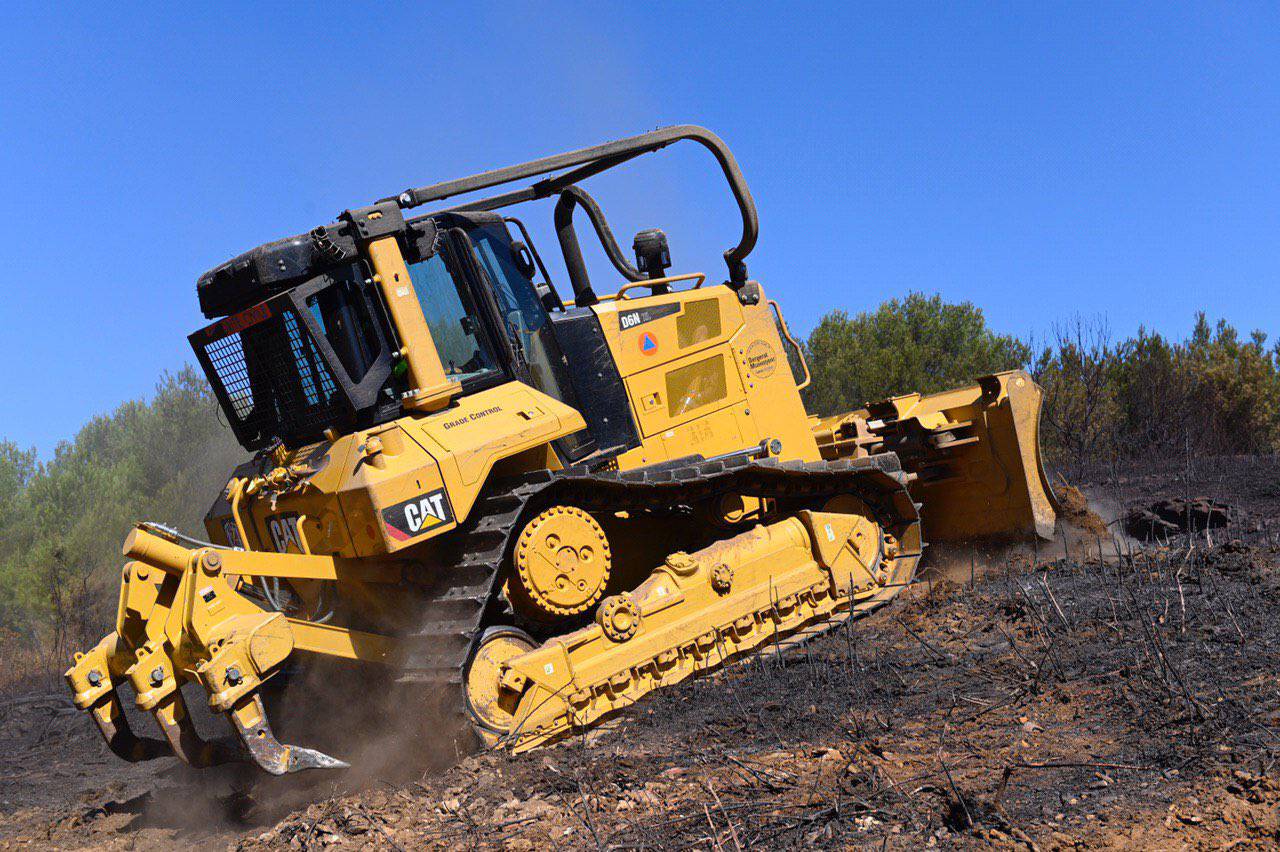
(704, 374)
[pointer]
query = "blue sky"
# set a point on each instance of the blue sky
(1113, 159)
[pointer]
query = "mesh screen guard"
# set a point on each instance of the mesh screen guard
(272, 375)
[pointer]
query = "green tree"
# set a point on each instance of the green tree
(919, 343)
(1234, 389)
(1213, 393)
(63, 520)
(17, 466)
(1150, 392)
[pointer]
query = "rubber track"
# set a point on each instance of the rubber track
(461, 588)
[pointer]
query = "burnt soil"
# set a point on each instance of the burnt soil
(1096, 693)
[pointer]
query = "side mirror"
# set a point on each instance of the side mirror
(523, 259)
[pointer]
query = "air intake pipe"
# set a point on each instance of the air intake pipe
(570, 198)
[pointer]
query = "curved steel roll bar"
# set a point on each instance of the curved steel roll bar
(586, 162)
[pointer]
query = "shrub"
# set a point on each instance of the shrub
(919, 343)
(1145, 396)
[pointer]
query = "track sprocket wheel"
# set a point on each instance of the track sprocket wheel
(562, 563)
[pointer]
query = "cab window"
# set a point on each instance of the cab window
(522, 313)
(465, 351)
(527, 324)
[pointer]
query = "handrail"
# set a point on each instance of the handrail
(786, 333)
(570, 198)
(660, 282)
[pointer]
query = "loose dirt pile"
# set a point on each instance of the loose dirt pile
(1165, 518)
(1131, 701)
(1077, 512)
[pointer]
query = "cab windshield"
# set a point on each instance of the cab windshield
(508, 336)
(526, 324)
(522, 311)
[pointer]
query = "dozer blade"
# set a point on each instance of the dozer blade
(975, 452)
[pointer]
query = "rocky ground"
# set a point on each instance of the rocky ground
(1098, 693)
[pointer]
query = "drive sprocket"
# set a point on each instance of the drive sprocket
(562, 563)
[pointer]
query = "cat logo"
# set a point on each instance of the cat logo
(418, 515)
(284, 533)
(429, 511)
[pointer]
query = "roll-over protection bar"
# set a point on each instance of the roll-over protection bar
(586, 162)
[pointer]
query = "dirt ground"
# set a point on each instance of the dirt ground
(1089, 694)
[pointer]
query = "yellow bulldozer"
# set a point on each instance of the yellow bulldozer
(529, 508)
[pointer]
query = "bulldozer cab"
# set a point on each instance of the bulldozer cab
(320, 358)
(487, 321)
